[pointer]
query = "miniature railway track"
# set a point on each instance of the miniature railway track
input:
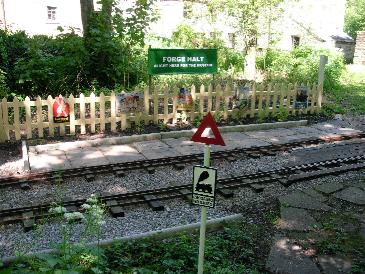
(178, 162)
(154, 197)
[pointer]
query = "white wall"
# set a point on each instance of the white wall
(31, 15)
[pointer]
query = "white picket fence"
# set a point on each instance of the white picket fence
(34, 119)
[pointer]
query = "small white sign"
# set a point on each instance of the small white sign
(204, 183)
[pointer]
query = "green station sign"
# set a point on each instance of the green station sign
(182, 61)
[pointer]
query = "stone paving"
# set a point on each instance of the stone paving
(78, 154)
(301, 212)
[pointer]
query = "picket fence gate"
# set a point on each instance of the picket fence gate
(34, 119)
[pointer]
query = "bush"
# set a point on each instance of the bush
(301, 65)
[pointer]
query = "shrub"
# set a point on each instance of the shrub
(301, 65)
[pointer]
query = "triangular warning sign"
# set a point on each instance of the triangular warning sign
(208, 122)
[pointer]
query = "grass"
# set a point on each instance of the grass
(233, 250)
(337, 240)
(349, 96)
(238, 249)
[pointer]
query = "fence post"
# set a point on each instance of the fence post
(226, 92)
(322, 63)
(193, 95)
(113, 125)
(82, 113)
(155, 105)
(92, 111)
(16, 118)
(39, 117)
(210, 99)
(50, 116)
(28, 118)
(165, 105)
(102, 112)
(71, 102)
(174, 105)
(253, 101)
(2, 125)
(201, 99)
(146, 105)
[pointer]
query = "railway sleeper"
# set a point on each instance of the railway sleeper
(116, 211)
(24, 184)
(153, 202)
(179, 166)
(187, 194)
(28, 220)
(151, 170)
(90, 177)
(257, 187)
(226, 193)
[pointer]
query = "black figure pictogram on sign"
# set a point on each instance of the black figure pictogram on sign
(201, 187)
(204, 181)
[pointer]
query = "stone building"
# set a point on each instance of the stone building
(359, 58)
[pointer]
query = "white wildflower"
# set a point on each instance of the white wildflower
(86, 206)
(74, 216)
(57, 210)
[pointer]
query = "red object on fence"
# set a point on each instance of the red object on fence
(61, 110)
(208, 122)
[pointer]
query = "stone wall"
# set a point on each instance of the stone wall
(348, 49)
(359, 58)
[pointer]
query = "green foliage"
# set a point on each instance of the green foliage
(354, 17)
(70, 258)
(348, 97)
(338, 240)
(4, 90)
(111, 54)
(246, 14)
(230, 251)
(301, 65)
(282, 114)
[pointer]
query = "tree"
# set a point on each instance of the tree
(87, 8)
(355, 17)
(246, 17)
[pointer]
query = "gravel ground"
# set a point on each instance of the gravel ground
(141, 219)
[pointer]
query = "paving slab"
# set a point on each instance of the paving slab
(309, 131)
(148, 145)
(315, 194)
(301, 200)
(88, 156)
(155, 149)
(121, 153)
(184, 146)
(51, 160)
(330, 187)
(353, 195)
(334, 264)
(288, 258)
(278, 132)
(334, 129)
(296, 219)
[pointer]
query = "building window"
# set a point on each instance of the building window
(232, 39)
(51, 13)
(295, 41)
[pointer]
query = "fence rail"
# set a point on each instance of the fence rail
(34, 119)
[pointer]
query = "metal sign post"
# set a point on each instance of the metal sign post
(203, 222)
(205, 179)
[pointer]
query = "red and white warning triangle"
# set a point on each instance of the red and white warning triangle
(208, 122)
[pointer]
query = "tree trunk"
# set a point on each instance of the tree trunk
(87, 7)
